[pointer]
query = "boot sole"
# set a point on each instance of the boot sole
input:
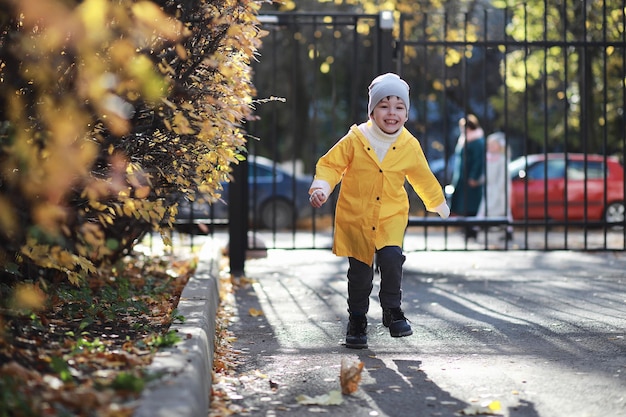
(402, 334)
(356, 346)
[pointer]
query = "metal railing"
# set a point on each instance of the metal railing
(555, 86)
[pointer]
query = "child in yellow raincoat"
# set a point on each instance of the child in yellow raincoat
(372, 162)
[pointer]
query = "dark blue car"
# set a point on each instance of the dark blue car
(277, 198)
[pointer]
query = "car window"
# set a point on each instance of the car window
(576, 170)
(262, 174)
(555, 169)
(517, 167)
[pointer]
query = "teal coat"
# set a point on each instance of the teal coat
(469, 163)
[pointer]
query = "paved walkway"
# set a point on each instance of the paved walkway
(541, 334)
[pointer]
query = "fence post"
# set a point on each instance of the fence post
(238, 218)
(386, 49)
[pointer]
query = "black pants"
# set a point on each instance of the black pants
(389, 261)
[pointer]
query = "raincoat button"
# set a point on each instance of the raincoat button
(377, 198)
(380, 170)
(373, 228)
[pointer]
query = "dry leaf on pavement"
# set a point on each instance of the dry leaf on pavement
(254, 312)
(350, 375)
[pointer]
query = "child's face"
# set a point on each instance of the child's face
(390, 114)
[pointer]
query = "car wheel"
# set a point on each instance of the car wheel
(614, 213)
(277, 214)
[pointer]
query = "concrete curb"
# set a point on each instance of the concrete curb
(187, 367)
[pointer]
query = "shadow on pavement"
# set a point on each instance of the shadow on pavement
(555, 309)
(542, 333)
(307, 361)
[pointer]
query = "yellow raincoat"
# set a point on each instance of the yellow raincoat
(373, 206)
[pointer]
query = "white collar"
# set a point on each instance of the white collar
(372, 131)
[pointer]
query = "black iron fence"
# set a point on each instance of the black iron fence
(549, 81)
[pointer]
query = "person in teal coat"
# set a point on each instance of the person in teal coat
(469, 168)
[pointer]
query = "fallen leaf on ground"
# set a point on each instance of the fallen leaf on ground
(332, 398)
(254, 312)
(350, 375)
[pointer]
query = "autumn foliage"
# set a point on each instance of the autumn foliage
(110, 110)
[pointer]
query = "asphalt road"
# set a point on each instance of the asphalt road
(539, 333)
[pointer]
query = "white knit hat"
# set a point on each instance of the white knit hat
(387, 85)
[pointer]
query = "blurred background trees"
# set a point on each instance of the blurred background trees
(109, 112)
(574, 85)
(551, 76)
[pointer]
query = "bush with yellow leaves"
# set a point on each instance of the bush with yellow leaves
(110, 111)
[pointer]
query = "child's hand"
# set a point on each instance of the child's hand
(317, 198)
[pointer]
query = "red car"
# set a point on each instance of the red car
(573, 183)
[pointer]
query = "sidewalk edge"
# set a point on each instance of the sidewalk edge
(185, 386)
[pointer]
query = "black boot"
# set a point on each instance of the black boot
(397, 323)
(356, 335)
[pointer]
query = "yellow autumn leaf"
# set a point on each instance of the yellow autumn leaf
(129, 207)
(29, 296)
(142, 192)
(181, 51)
(49, 216)
(182, 125)
(142, 68)
(122, 51)
(8, 219)
(152, 17)
(94, 16)
(254, 312)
